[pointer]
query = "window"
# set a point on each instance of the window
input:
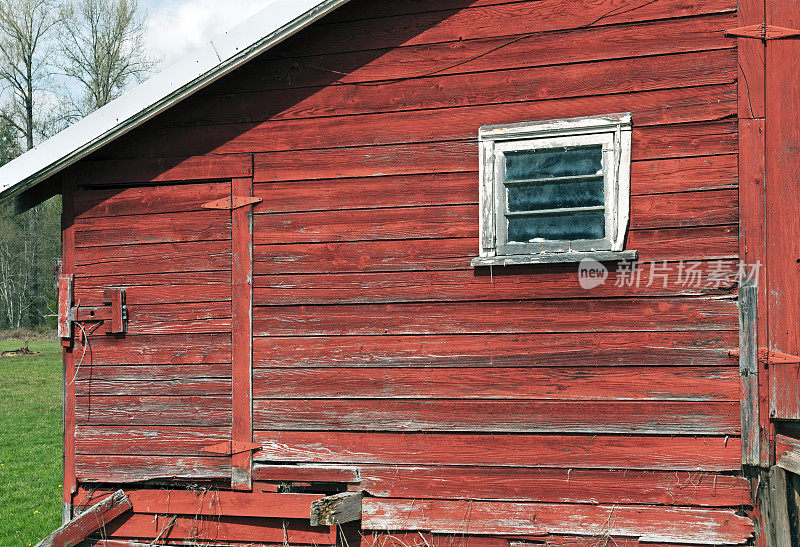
(555, 191)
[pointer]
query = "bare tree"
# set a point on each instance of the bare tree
(103, 48)
(25, 26)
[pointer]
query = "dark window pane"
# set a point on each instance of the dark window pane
(554, 162)
(556, 195)
(557, 227)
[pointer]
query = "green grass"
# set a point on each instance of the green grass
(30, 443)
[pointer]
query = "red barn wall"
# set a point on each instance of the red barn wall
(612, 412)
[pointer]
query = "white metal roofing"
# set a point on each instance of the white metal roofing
(220, 56)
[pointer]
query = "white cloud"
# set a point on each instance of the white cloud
(176, 27)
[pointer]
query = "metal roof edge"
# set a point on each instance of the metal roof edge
(202, 67)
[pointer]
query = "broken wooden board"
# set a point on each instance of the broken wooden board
(96, 517)
(337, 509)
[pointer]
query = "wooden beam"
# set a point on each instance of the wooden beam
(242, 335)
(337, 509)
(775, 500)
(748, 371)
(88, 522)
(68, 269)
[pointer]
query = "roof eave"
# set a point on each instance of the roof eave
(187, 76)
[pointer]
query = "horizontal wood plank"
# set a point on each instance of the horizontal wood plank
(196, 256)
(690, 525)
(553, 451)
(133, 440)
(204, 281)
(171, 349)
(175, 318)
(683, 174)
(712, 242)
(89, 291)
(678, 348)
(175, 386)
(152, 373)
(367, 225)
(497, 317)
(595, 417)
(153, 411)
(125, 469)
(577, 383)
(306, 473)
(147, 200)
(376, 538)
(556, 485)
(207, 503)
(695, 209)
(217, 529)
(153, 228)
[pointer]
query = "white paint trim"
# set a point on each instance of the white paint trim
(556, 258)
(235, 47)
(612, 131)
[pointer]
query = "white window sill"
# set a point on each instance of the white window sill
(555, 258)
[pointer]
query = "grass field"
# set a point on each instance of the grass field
(30, 443)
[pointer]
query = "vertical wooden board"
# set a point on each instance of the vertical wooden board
(68, 268)
(242, 335)
(748, 369)
(751, 62)
(779, 529)
(752, 248)
(783, 164)
(782, 196)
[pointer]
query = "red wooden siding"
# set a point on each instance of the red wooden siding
(376, 346)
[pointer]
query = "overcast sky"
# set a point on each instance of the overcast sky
(176, 27)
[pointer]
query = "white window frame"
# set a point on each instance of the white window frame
(612, 132)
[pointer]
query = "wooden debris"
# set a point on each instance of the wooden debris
(21, 352)
(336, 509)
